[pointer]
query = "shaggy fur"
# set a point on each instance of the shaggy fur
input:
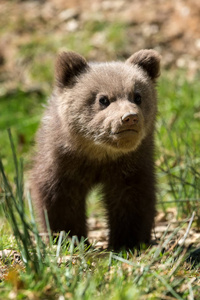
(99, 128)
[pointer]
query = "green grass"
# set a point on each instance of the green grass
(178, 143)
(21, 111)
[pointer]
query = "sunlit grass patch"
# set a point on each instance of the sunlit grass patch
(21, 111)
(178, 144)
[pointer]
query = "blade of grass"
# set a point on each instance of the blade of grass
(168, 286)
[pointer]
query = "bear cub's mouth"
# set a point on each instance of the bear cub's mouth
(124, 131)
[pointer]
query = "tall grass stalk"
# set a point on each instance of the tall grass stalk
(32, 250)
(180, 173)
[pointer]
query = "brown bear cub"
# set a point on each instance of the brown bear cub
(98, 127)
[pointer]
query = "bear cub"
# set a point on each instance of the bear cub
(98, 127)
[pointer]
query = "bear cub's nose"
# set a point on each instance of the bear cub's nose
(130, 118)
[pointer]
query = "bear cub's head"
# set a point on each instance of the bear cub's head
(108, 106)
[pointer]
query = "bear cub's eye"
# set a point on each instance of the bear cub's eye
(137, 98)
(103, 100)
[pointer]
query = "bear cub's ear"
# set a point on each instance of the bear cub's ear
(68, 66)
(149, 60)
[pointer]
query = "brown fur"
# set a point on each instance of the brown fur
(82, 142)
